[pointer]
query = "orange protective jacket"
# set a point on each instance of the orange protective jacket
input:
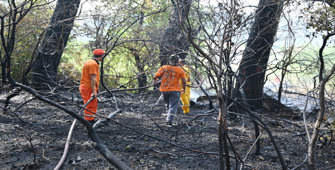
(170, 78)
(90, 67)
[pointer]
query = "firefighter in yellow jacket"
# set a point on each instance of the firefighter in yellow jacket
(185, 97)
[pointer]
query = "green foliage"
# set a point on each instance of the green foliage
(136, 27)
(320, 20)
(73, 59)
(320, 16)
(329, 120)
(28, 31)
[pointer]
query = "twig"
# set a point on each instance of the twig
(257, 120)
(100, 121)
(14, 113)
(250, 151)
(171, 143)
(13, 94)
(303, 162)
(289, 122)
(194, 118)
(304, 118)
(329, 101)
(331, 167)
(234, 150)
(43, 156)
(300, 134)
(24, 103)
(30, 142)
(159, 99)
(68, 139)
(154, 122)
(167, 153)
(66, 148)
(100, 146)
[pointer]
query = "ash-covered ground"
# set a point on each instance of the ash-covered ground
(33, 136)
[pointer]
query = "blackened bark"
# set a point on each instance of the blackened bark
(174, 41)
(142, 81)
(53, 44)
(255, 58)
(12, 94)
(323, 79)
(142, 77)
(3, 71)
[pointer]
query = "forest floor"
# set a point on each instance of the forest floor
(33, 136)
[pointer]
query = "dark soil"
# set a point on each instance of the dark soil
(33, 137)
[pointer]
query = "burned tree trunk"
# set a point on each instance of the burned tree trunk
(3, 70)
(53, 44)
(174, 41)
(324, 77)
(255, 58)
(139, 63)
(141, 77)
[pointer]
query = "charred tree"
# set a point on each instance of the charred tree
(324, 77)
(53, 44)
(255, 57)
(139, 63)
(141, 77)
(174, 41)
(3, 69)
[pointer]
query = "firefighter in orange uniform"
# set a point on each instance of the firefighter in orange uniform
(170, 87)
(89, 84)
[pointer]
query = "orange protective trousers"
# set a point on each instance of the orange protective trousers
(185, 99)
(86, 93)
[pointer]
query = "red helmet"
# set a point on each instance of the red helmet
(98, 52)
